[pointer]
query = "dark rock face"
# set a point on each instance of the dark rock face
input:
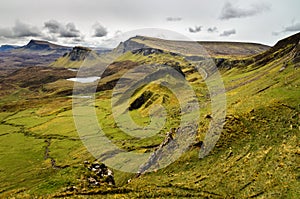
(296, 57)
(147, 51)
(194, 58)
(281, 48)
(140, 100)
(79, 53)
(178, 69)
(131, 45)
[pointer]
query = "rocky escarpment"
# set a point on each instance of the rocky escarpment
(78, 53)
(75, 58)
(130, 45)
(147, 51)
(283, 47)
(296, 57)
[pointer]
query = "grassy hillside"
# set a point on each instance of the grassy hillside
(257, 155)
(75, 58)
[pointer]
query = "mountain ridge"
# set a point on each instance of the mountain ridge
(198, 48)
(42, 45)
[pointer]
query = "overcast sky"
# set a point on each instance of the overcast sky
(98, 22)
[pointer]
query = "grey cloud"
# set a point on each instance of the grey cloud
(79, 39)
(227, 33)
(20, 29)
(212, 29)
(196, 29)
(53, 26)
(229, 11)
(275, 33)
(24, 30)
(292, 28)
(6, 32)
(69, 30)
(99, 30)
(173, 18)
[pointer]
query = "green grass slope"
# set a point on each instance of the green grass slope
(75, 58)
(257, 155)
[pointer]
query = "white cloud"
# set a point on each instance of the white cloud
(230, 11)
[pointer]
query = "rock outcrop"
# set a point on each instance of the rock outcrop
(147, 51)
(99, 174)
(79, 53)
(130, 45)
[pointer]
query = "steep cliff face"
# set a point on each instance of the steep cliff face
(130, 45)
(296, 57)
(79, 53)
(289, 45)
(75, 58)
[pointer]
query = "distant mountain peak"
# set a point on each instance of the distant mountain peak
(7, 47)
(42, 45)
(34, 41)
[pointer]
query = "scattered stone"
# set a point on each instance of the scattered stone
(86, 162)
(147, 51)
(208, 116)
(110, 180)
(282, 69)
(173, 54)
(169, 137)
(100, 174)
(71, 189)
(198, 144)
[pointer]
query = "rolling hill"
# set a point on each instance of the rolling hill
(35, 53)
(8, 47)
(75, 58)
(256, 156)
(40, 46)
